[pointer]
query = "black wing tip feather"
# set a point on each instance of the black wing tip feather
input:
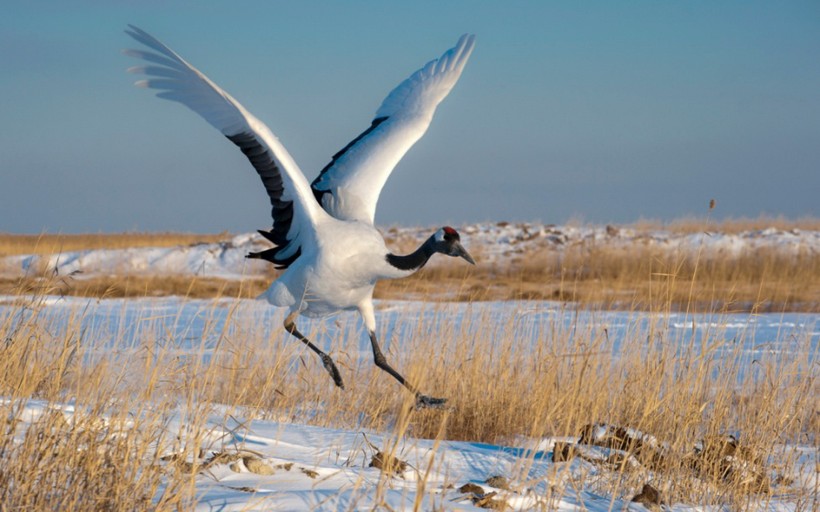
(281, 210)
(270, 255)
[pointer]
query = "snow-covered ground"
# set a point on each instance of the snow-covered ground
(490, 243)
(281, 465)
(269, 465)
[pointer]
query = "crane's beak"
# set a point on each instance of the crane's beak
(459, 250)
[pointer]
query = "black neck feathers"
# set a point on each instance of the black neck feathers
(416, 259)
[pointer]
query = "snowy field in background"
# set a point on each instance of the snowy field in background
(490, 243)
(328, 469)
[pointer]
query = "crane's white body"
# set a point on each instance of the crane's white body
(339, 275)
(342, 254)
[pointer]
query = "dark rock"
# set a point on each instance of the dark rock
(388, 463)
(649, 497)
(562, 452)
(618, 461)
(310, 473)
(619, 438)
(487, 501)
(723, 458)
(499, 482)
(257, 466)
(471, 488)
(242, 489)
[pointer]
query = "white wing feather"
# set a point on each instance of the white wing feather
(349, 186)
(181, 82)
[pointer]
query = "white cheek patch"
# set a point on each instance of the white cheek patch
(440, 235)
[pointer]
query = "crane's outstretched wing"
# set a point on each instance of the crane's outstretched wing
(294, 210)
(349, 186)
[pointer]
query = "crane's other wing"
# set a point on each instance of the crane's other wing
(294, 211)
(349, 186)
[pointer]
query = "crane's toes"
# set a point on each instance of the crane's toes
(330, 366)
(429, 402)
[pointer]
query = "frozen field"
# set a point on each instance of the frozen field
(194, 326)
(290, 465)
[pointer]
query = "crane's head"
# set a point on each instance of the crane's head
(448, 242)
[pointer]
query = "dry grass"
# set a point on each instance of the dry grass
(12, 244)
(730, 224)
(104, 456)
(638, 278)
(120, 286)
(505, 379)
(641, 278)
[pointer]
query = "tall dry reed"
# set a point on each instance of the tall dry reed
(510, 380)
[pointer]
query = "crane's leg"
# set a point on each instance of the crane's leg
(366, 310)
(421, 399)
(330, 366)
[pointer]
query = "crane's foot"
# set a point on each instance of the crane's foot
(330, 366)
(429, 402)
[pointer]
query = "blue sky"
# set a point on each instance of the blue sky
(600, 111)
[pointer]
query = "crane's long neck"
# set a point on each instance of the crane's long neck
(416, 259)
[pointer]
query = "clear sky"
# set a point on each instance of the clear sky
(600, 111)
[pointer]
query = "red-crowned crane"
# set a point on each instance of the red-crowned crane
(323, 232)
